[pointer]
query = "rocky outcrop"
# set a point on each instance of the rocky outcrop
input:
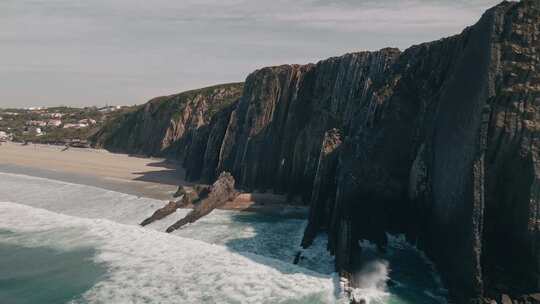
(448, 156)
(202, 199)
(274, 136)
(171, 126)
(218, 194)
(439, 142)
(187, 199)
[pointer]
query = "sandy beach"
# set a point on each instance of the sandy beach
(144, 177)
(149, 177)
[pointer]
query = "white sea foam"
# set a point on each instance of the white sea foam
(371, 281)
(239, 231)
(74, 199)
(148, 266)
(243, 257)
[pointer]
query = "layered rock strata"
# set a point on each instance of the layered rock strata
(172, 126)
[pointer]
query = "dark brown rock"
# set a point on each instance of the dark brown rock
(161, 213)
(218, 194)
(187, 200)
(181, 191)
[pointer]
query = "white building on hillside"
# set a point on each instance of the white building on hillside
(4, 136)
(75, 126)
(36, 123)
(54, 123)
(56, 115)
(87, 121)
(108, 109)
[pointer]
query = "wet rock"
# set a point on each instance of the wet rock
(218, 194)
(181, 191)
(187, 200)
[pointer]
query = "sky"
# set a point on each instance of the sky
(124, 52)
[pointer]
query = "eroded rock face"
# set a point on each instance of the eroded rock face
(168, 125)
(187, 199)
(274, 137)
(324, 186)
(217, 195)
(448, 156)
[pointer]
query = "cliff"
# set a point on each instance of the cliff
(169, 125)
(446, 152)
(439, 142)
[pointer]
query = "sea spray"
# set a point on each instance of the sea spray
(402, 275)
(371, 282)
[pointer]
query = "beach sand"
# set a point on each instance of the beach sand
(147, 177)
(144, 177)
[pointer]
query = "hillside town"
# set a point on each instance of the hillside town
(55, 125)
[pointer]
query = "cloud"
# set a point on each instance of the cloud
(126, 51)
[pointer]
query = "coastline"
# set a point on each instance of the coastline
(154, 178)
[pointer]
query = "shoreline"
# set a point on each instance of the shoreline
(153, 178)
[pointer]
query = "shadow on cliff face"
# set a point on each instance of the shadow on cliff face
(273, 237)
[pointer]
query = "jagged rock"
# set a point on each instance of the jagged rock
(181, 191)
(274, 137)
(187, 200)
(218, 194)
(161, 213)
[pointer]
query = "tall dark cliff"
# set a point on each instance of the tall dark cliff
(439, 142)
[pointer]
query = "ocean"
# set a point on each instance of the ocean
(71, 243)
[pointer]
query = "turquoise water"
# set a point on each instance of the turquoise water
(35, 275)
(251, 264)
(413, 278)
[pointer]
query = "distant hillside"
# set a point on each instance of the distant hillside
(166, 125)
(56, 125)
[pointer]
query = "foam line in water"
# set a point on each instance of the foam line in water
(270, 236)
(148, 266)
